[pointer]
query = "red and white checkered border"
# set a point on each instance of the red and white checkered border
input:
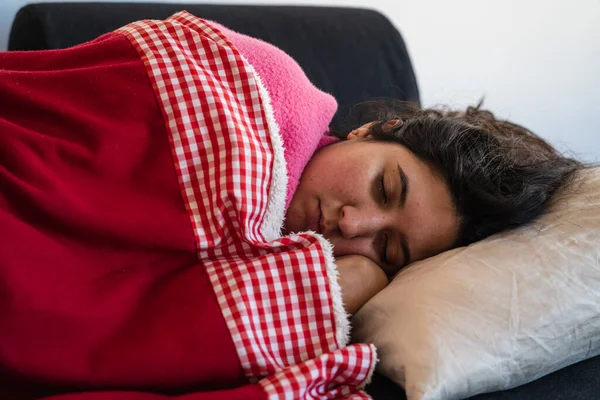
(333, 375)
(279, 296)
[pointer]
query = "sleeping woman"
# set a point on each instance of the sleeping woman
(177, 218)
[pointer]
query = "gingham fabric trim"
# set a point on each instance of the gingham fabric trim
(279, 297)
(206, 92)
(331, 376)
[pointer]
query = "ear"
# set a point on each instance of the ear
(391, 124)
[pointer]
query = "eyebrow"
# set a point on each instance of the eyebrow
(404, 186)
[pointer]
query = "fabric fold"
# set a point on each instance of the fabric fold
(279, 296)
(144, 181)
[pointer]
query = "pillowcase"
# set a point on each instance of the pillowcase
(498, 313)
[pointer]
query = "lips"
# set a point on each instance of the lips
(315, 219)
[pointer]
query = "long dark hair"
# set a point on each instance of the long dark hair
(500, 174)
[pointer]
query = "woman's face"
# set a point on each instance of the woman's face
(374, 199)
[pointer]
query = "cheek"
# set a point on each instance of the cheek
(346, 184)
(341, 172)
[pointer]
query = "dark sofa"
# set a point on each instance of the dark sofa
(354, 54)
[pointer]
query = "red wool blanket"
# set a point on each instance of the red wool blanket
(142, 191)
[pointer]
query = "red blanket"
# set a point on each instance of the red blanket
(142, 186)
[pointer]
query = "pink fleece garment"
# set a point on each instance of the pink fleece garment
(302, 111)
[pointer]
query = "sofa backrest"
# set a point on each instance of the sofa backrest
(354, 54)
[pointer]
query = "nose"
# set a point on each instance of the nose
(363, 222)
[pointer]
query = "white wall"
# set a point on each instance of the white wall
(536, 62)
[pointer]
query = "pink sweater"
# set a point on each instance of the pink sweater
(302, 111)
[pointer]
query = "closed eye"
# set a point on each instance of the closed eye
(381, 187)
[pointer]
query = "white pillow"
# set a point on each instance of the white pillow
(497, 314)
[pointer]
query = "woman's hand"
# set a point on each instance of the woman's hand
(360, 279)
